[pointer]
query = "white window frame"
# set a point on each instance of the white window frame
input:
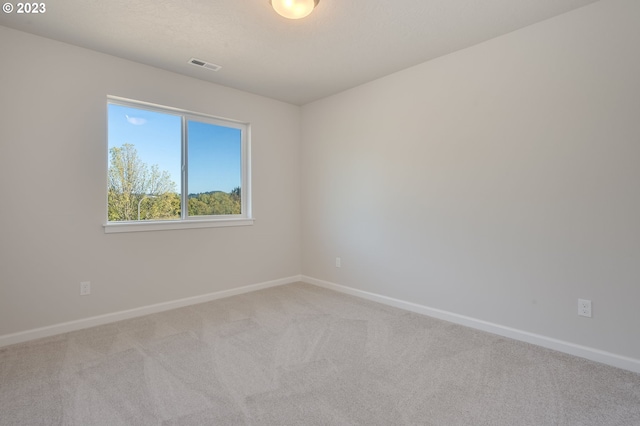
(186, 221)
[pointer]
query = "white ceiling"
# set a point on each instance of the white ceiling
(342, 44)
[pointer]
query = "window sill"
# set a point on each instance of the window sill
(117, 227)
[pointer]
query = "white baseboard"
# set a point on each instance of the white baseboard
(592, 354)
(65, 327)
(597, 355)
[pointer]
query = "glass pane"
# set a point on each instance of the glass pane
(214, 169)
(144, 164)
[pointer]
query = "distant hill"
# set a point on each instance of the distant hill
(204, 193)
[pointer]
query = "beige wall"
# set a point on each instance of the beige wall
(53, 161)
(501, 182)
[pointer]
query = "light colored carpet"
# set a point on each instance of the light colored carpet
(303, 355)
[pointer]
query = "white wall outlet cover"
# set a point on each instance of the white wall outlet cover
(584, 308)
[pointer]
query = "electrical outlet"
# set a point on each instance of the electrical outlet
(338, 262)
(584, 308)
(85, 288)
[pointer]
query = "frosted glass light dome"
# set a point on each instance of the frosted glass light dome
(294, 9)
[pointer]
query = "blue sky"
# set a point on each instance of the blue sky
(214, 151)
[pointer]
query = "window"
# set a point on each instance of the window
(169, 169)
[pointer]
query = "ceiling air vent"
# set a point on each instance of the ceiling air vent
(204, 64)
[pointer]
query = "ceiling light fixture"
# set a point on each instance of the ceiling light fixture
(294, 9)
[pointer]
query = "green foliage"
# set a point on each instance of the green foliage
(215, 203)
(235, 193)
(133, 185)
(165, 206)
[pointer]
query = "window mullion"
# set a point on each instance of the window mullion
(185, 168)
